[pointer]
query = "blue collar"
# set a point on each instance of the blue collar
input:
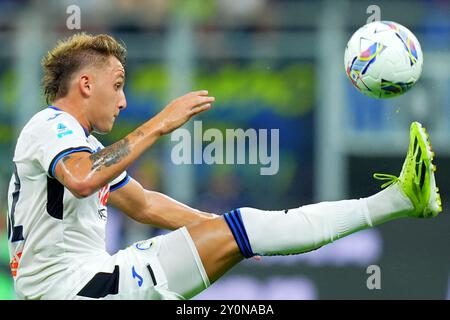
(58, 109)
(54, 108)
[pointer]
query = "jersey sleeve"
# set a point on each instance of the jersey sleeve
(120, 181)
(57, 138)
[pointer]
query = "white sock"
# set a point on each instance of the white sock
(310, 227)
(388, 204)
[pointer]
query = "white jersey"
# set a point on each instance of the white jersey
(49, 229)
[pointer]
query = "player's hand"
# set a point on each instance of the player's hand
(180, 110)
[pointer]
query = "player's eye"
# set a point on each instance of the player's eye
(118, 85)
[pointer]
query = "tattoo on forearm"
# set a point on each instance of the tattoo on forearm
(139, 133)
(110, 155)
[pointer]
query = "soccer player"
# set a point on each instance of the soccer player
(63, 178)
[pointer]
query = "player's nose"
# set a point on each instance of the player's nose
(123, 104)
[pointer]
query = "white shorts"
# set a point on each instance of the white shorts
(163, 267)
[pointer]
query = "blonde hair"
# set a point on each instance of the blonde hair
(73, 53)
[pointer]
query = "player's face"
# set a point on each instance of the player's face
(107, 97)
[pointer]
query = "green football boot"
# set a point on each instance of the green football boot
(416, 179)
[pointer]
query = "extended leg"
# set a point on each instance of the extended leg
(244, 232)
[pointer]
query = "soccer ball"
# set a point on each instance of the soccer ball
(383, 59)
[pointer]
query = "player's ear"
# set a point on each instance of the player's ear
(85, 85)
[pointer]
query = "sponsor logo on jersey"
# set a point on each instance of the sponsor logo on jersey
(14, 263)
(144, 245)
(103, 195)
(102, 213)
(62, 130)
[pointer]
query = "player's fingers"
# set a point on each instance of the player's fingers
(201, 108)
(199, 100)
(190, 97)
(198, 93)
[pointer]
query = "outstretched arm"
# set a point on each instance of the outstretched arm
(154, 208)
(84, 173)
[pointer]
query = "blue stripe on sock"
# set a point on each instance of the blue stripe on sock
(235, 233)
(244, 248)
(244, 232)
(234, 221)
(240, 226)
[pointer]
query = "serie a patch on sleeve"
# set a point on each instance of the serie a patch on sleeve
(62, 129)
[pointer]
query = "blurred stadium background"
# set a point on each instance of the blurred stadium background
(270, 64)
